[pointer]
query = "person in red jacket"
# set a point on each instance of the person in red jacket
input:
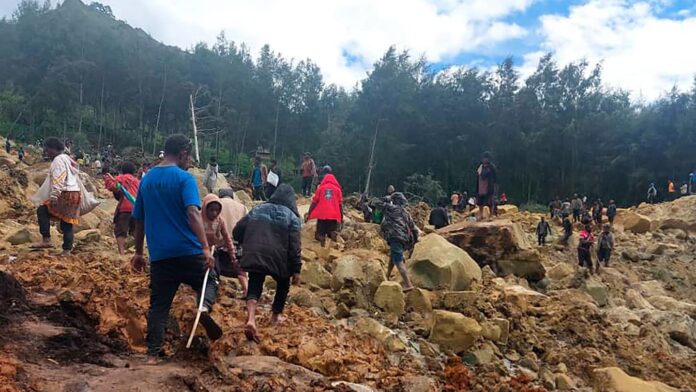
(123, 224)
(327, 207)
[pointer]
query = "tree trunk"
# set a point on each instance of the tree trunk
(101, 115)
(195, 130)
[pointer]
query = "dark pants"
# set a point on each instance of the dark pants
(585, 258)
(307, 185)
(256, 288)
(566, 237)
(542, 239)
(269, 190)
(259, 194)
(326, 228)
(165, 278)
(576, 216)
(611, 219)
(604, 254)
(45, 227)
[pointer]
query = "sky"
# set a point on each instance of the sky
(644, 45)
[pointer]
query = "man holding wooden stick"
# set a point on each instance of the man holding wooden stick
(167, 211)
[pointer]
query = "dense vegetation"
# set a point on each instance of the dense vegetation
(75, 70)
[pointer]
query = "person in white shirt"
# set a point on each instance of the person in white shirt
(62, 203)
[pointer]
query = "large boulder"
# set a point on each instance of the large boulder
(352, 270)
(19, 237)
(560, 271)
(633, 222)
(507, 209)
(437, 264)
(664, 302)
(522, 297)
(314, 274)
(677, 326)
(390, 298)
(454, 331)
(418, 300)
(597, 290)
(370, 327)
(502, 244)
(613, 379)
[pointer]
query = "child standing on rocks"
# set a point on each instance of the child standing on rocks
(585, 247)
(606, 246)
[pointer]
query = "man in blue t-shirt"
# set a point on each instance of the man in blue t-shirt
(259, 173)
(167, 212)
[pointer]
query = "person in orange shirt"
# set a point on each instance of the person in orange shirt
(671, 190)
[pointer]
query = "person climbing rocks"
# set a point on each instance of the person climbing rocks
(652, 194)
(400, 232)
(611, 211)
(167, 212)
(597, 211)
(232, 210)
(605, 247)
(309, 173)
(576, 206)
(20, 154)
(585, 248)
(270, 237)
(543, 229)
(327, 207)
(486, 183)
(390, 190)
(211, 175)
(274, 178)
(218, 235)
(258, 178)
(566, 207)
(123, 222)
(8, 145)
(555, 207)
(63, 201)
(567, 230)
(439, 217)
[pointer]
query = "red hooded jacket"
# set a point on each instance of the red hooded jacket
(328, 199)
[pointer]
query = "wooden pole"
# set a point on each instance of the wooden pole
(195, 130)
(372, 157)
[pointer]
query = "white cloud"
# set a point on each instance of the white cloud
(641, 51)
(322, 30)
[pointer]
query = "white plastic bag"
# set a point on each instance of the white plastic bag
(272, 178)
(87, 200)
(43, 194)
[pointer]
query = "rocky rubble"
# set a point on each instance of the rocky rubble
(538, 323)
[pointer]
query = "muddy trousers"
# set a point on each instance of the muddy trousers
(45, 227)
(307, 186)
(256, 289)
(585, 258)
(165, 278)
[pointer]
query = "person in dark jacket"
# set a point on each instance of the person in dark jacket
(270, 238)
(400, 232)
(543, 229)
(439, 216)
(567, 230)
(487, 179)
(611, 211)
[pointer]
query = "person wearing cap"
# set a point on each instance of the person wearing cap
(309, 173)
(327, 207)
(167, 212)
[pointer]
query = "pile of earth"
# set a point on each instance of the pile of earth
(539, 323)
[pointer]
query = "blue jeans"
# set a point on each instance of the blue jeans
(165, 278)
(396, 249)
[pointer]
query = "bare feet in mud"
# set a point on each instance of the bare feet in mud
(251, 334)
(277, 318)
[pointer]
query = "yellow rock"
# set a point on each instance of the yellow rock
(613, 379)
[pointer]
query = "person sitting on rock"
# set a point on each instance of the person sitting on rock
(270, 237)
(327, 207)
(218, 235)
(400, 232)
(123, 223)
(63, 201)
(439, 217)
(585, 248)
(543, 229)
(567, 230)
(606, 246)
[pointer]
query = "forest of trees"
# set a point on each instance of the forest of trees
(76, 71)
